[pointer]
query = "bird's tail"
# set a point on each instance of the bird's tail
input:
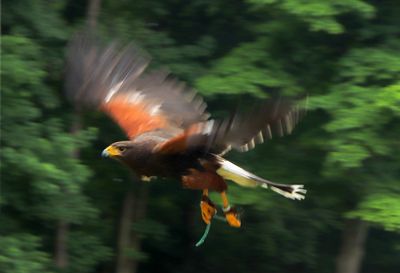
(230, 171)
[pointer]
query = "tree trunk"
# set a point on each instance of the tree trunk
(133, 210)
(352, 250)
(93, 13)
(61, 254)
(61, 249)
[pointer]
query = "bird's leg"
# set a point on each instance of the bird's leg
(208, 209)
(231, 214)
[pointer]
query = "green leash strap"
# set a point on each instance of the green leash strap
(220, 218)
(203, 238)
(207, 230)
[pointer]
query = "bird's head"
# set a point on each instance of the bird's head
(118, 150)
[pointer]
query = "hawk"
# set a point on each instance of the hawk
(169, 133)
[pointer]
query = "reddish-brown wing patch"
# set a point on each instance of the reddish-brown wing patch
(115, 80)
(179, 143)
(174, 145)
(134, 117)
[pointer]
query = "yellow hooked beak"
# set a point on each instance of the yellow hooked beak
(110, 151)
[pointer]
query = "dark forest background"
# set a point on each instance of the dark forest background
(65, 209)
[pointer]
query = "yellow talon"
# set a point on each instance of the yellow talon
(208, 211)
(232, 218)
(230, 214)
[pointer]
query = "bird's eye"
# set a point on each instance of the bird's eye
(121, 149)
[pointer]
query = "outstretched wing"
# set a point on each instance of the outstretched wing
(114, 80)
(275, 117)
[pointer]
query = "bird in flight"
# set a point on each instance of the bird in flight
(169, 132)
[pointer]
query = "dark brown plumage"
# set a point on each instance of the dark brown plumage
(170, 134)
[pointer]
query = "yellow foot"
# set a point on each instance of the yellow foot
(208, 209)
(233, 218)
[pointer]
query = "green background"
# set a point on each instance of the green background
(65, 209)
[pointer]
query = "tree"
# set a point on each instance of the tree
(41, 183)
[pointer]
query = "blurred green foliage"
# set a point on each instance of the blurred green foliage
(21, 253)
(344, 54)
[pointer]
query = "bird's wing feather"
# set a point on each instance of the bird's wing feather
(113, 79)
(275, 117)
